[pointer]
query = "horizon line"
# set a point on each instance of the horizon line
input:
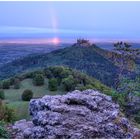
(72, 40)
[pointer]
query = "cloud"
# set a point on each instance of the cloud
(14, 29)
(35, 32)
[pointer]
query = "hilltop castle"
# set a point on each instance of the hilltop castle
(83, 43)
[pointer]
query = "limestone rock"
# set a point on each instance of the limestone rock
(87, 114)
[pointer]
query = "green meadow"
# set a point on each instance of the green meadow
(14, 101)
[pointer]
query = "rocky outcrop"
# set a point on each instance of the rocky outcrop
(87, 114)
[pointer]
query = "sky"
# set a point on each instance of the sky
(96, 20)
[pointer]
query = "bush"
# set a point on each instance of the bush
(89, 87)
(68, 83)
(56, 71)
(137, 118)
(53, 84)
(118, 97)
(1, 85)
(3, 132)
(27, 75)
(27, 95)
(48, 73)
(65, 73)
(38, 80)
(6, 114)
(12, 81)
(2, 95)
(6, 84)
(80, 87)
(16, 84)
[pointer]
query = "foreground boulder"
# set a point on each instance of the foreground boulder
(87, 114)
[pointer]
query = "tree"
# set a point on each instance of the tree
(6, 114)
(16, 84)
(53, 84)
(56, 71)
(3, 131)
(38, 80)
(48, 73)
(27, 95)
(65, 73)
(124, 57)
(6, 84)
(2, 95)
(12, 81)
(69, 83)
(1, 85)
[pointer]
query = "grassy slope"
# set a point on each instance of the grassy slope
(13, 97)
(20, 108)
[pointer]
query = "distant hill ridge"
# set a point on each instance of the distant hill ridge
(91, 60)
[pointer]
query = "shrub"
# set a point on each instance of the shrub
(65, 73)
(52, 84)
(12, 81)
(27, 95)
(137, 118)
(3, 132)
(48, 73)
(89, 87)
(38, 80)
(68, 83)
(27, 75)
(6, 114)
(6, 84)
(2, 95)
(56, 71)
(17, 84)
(80, 87)
(1, 85)
(117, 97)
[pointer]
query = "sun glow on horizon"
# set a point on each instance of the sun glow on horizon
(55, 40)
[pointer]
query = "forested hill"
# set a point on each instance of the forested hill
(91, 60)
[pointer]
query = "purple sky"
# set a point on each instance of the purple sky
(101, 20)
